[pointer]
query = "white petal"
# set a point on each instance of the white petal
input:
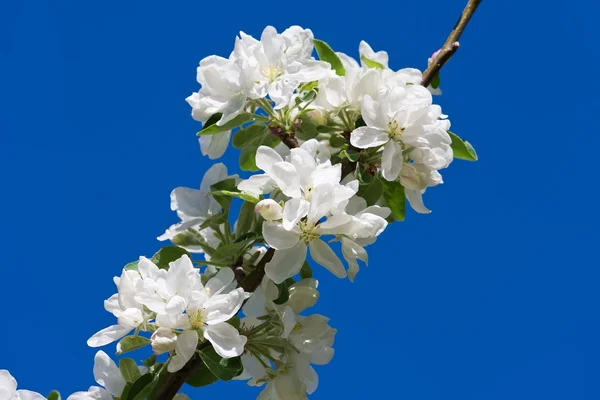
(191, 203)
(415, 198)
(221, 281)
(257, 184)
(93, 393)
(222, 307)
(266, 157)
(278, 237)
(108, 335)
(184, 350)
(391, 161)
(232, 108)
(269, 209)
(286, 178)
(294, 210)
(29, 395)
(322, 254)
(225, 339)
(286, 263)
(8, 384)
(214, 146)
(107, 374)
(365, 137)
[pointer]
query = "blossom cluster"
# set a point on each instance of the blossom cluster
(342, 146)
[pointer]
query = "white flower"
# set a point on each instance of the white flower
(108, 375)
(123, 305)
(277, 64)
(269, 209)
(314, 337)
(8, 389)
(182, 302)
(194, 207)
(366, 51)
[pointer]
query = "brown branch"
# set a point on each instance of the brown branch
(451, 44)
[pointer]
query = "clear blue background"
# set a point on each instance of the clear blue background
(492, 296)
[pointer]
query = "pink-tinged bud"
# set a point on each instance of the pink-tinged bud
(269, 209)
(433, 56)
(163, 340)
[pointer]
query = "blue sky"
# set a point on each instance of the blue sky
(492, 296)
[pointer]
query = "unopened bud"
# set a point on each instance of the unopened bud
(163, 340)
(269, 209)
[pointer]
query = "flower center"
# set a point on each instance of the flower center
(394, 129)
(271, 72)
(197, 318)
(307, 235)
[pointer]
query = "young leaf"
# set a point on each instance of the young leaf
(371, 192)
(307, 129)
(371, 63)
(224, 368)
(193, 240)
(236, 193)
(240, 119)
(130, 343)
(224, 200)
(336, 140)
(393, 193)
(202, 377)
(250, 135)
(129, 370)
(248, 159)
(245, 219)
(351, 154)
(326, 54)
(168, 254)
(141, 387)
(306, 271)
(54, 395)
(284, 293)
(462, 149)
(435, 82)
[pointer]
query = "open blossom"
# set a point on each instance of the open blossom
(182, 302)
(129, 312)
(194, 207)
(8, 389)
(108, 375)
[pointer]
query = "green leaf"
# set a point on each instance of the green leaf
(240, 119)
(224, 200)
(371, 63)
(306, 271)
(327, 129)
(236, 193)
(193, 240)
(307, 129)
(336, 140)
(202, 377)
(141, 387)
(150, 361)
(326, 54)
(130, 343)
(250, 135)
(393, 193)
(54, 395)
(360, 122)
(129, 370)
(132, 266)
(224, 368)
(284, 293)
(435, 82)
(462, 149)
(229, 253)
(235, 321)
(168, 254)
(245, 219)
(351, 154)
(371, 192)
(247, 159)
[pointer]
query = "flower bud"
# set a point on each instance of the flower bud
(130, 318)
(163, 340)
(269, 209)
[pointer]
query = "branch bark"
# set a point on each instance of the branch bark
(451, 44)
(250, 283)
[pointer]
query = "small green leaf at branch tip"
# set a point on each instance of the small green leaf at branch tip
(395, 198)
(240, 119)
(223, 368)
(131, 343)
(249, 135)
(462, 149)
(371, 63)
(54, 395)
(326, 53)
(129, 370)
(435, 82)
